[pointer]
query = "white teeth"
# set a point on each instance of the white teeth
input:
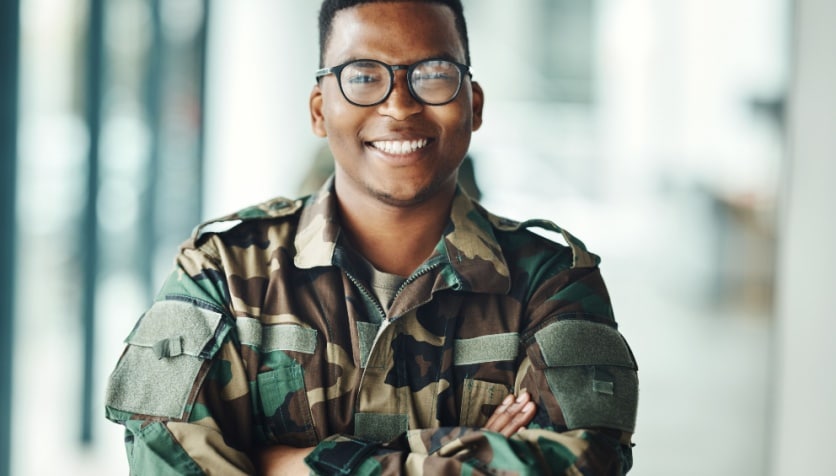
(400, 147)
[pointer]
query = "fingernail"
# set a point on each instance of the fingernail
(521, 396)
(528, 407)
(508, 400)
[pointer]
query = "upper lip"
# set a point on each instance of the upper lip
(400, 136)
(400, 139)
(402, 133)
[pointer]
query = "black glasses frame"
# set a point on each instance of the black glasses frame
(337, 71)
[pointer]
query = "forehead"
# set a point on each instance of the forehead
(394, 32)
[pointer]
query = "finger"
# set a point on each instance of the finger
(504, 418)
(520, 419)
(505, 425)
(518, 404)
(501, 409)
(525, 416)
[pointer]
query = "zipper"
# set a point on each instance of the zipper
(415, 276)
(384, 322)
(365, 292)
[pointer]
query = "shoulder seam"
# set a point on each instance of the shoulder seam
(581, 258)
(275, 208)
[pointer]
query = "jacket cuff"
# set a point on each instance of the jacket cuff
(339, 454)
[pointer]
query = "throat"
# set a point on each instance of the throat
(393, 245)
(394, 253)
(395, 239)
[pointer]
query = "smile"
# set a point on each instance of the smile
(400, 147)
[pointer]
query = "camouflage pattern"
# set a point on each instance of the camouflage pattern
(264, 335)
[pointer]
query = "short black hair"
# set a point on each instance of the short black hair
(330, 8)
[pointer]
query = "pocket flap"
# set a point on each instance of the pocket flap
(161, 366)
(572, 343)
(172, 328)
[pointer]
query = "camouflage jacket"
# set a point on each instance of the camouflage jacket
(263, 334)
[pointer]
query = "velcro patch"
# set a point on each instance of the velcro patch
(380, 427)
(164, 355)
(287, 337)
(487, 348)
(249, 331)
(367, 332)
(592, 373)
(169, 320)
(575, 342)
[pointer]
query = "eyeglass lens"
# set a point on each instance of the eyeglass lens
(432, 81)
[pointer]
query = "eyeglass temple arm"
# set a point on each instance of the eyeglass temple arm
(323, 72)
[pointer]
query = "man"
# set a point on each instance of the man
(386, 324)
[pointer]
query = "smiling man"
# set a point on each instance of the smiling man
(387, 324)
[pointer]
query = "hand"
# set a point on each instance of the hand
(281, 460)
(512, 414)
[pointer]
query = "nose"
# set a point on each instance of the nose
(400, 104)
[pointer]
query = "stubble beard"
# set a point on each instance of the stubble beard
(421, 195)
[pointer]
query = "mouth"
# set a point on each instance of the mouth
(399, 147)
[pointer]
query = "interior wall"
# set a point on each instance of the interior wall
(258, 133)
(805, 388)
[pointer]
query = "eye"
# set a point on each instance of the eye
(362, 79)
(429, 75)
(436, 71)
(364, 73)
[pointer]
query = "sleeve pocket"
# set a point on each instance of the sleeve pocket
(162, 361)
(591, 371)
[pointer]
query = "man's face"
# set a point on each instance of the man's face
(399, 152)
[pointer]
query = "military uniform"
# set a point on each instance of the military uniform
(265, 333)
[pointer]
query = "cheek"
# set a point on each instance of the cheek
(337, 115)
(457, 121)
(339, 124)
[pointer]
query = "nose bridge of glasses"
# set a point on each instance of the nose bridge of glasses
(402, 86)
(398, 67)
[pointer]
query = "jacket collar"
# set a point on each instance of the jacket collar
(471, 247)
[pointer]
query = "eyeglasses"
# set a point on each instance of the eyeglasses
(367, 82)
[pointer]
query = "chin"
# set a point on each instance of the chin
(403, 197)
(399, 200)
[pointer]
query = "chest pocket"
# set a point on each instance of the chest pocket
(280, 394)
(481, 397)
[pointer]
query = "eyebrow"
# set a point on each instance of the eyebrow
(441, 56)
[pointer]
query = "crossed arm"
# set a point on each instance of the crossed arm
(508, 418)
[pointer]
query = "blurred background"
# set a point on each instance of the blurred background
(689, 143)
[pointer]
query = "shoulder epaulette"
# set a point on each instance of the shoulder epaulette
(275, 208)
(581, 258)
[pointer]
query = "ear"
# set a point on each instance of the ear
(478, 102)
(317, 119)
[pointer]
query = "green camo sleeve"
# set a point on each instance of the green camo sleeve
(465, 451)
(180, 351)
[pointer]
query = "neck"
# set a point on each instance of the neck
(395, 239)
